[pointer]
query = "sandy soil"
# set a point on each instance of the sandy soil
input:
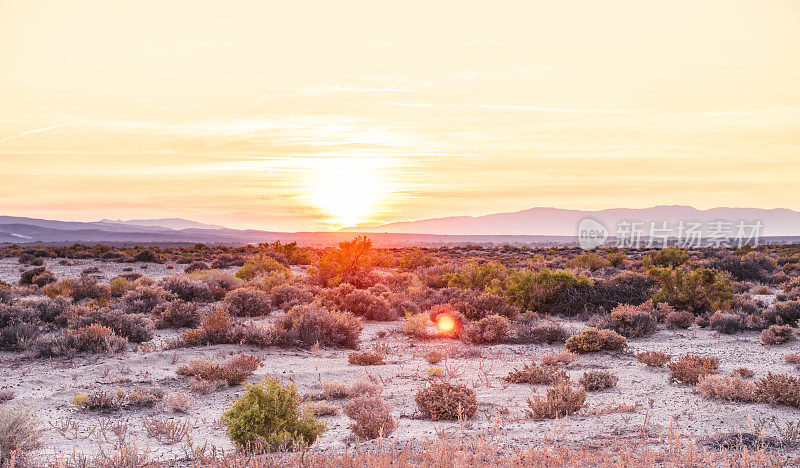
(48, 386)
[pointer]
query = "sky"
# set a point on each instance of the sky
(298, 115)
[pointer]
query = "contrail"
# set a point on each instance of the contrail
(29, 132)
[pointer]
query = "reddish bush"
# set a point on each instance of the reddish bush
(490, 329)
(653, 358)
(777, 334)
(779, 389)
(561, 400)
(690, 368)
(371, 415)
(592, 340)
(248, 302)
(306, 325)
(441, 400)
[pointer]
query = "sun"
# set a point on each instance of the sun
(347, 189)
(445, 323)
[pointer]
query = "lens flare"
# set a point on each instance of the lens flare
(446, 324)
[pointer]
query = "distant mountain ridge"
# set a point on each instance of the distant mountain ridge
(563, 222)
(169, 223)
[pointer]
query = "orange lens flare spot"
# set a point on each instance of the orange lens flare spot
(445, 323)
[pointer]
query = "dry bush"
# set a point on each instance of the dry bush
(234, 371)
(562, 357)
(188, 289)
(142, 299)
(534, 374)
(777, 334)
(779, 389)
(305, 326)
(653, 358)
(217, 327)
(322, 408)
(334, 390)
(362, 303)
(725, 322)
(6, 395)
(595, 380)
(179, 402)
(166, 431)
(679, 319)
(177, 314)
(369, 357)
(364, 385)
(561, 400)
(94, 338)
(690, 368)
(196, 266)
(725, 387)
(490, 329)
(19, 434)
(792, 358)
(204, 387)
(136, 328)
(547, 332)
(434, 355)
(287, 296)
(631, 321)
(592, 340)
(441, 400)
(371, 415)
(248, 302)
(104, 400)
(744, 372)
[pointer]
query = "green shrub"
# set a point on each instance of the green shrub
(476, 275)
(698, 291)
(527, 290)
(669, 257)
(257, 266)
(268, 417)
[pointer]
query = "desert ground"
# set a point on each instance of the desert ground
(646, 407)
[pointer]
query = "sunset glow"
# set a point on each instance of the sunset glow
(292, 117)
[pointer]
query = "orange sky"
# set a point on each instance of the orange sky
(315, 115)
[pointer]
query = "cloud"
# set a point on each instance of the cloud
(31, 132)
(516, 107)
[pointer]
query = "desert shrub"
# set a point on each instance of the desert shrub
(188, 289)
(119, 286)
(19, 434)
(777, 334)
(792, 358)
(94, 338)
(362, 303)
(476, 275)
(476, 305)
(258, 265)
(631, 321)
(216, 327)
(725, 387)
(561, 400)
(286, 296)
(321, 408)
(105, 400)
(234, 371)
(617, 259)
(88, 287)
(783, 313)
(595, 380)
(364, 385)
(754, 266)
(530, 291)
(545, 332)
(177, 314)
(351, 263)
(142, 299)
(690, 368)
(680, 319)
(669, 257)
(589, 260)
(725, 322)
(558, 358)
(39, 276)
(534, 374)
(268, 417)
(18, 336)
(147, 255)
(490, 329)
(698, 291)
(218, 282)
(744, 372)
(179, 402)
(6, 395)
(248, 302)
(653, 358)
(779, 389)
(196, 266)
(371, 415)
(369, 357)
(306, 325)
(434, 355)
(61, 288)
(441, 400)
(136, 328)
(592, 340)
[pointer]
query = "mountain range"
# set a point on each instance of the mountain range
(540, 226)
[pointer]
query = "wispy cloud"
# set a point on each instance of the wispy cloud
(516, 107)
(30, 132)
